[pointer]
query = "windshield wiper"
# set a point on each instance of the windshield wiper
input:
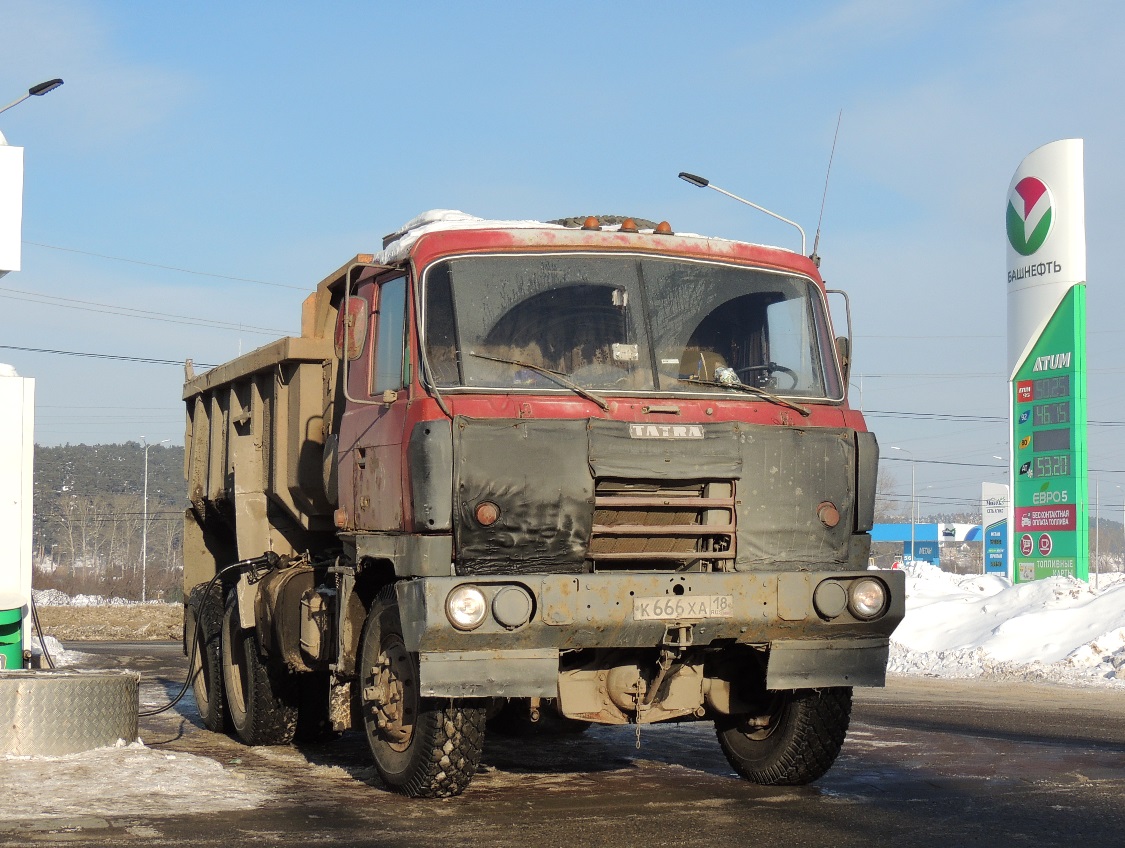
(754, 390)
(561, 379)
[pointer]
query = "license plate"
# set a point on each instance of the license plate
(681, 607)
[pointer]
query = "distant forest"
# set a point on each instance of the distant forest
(89, 512)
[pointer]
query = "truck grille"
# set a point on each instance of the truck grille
(663, 526)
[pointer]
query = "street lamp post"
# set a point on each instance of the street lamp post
(705, 183)
(144, 524)
(35, 91)
(913, 519)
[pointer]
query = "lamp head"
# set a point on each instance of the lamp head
(44, 87)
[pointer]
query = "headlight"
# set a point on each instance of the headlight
(867, 598)
(466, 608)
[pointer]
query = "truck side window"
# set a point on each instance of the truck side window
(389, 336)
(442, 350)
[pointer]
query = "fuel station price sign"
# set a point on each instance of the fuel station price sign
(1049, 506)
(1045, 224)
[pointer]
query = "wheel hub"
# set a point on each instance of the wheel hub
(392, 695)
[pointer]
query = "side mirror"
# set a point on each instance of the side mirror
(844, 354)
(844, 343)
(351, 328)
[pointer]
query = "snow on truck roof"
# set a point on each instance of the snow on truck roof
(396, 245)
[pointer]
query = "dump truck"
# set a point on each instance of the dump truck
(585, 471)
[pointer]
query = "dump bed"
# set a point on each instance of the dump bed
(255, 437)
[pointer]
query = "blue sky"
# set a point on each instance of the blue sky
(271, 142)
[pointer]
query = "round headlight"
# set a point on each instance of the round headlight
(466, 608)
(867, 598)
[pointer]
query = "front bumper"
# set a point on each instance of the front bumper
(596, 611)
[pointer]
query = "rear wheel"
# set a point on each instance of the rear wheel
(261, 699)
(422, 747)
(203, 617)
(798, 741)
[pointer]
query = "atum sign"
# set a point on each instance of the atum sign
(1047, 363)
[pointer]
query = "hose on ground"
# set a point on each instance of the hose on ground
(269, 559)
(39, 633)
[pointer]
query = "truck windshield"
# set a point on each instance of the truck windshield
(624, 324)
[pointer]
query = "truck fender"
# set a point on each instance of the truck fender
(247, 597)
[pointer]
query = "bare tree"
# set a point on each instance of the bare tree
(890, 506)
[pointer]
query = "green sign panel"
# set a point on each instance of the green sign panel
(1050, 533)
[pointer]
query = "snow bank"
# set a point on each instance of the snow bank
(55, 598)
(1059, 630)
(144, 783)
(60, 656)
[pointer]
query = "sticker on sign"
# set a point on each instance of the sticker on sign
(681, 607)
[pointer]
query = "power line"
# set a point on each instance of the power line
(142, 359)
(985, 464)
(929, 376)
(71, 406)
(931, 416)
(942, 462)
(913, 337)
(131, 312)
(167, 267)
(949, 416)
(953, 375)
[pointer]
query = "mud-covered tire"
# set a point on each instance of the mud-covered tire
(207, 667)
(422, 747)
(801, 742)
(262, 700)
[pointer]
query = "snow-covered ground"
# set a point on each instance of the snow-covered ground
(143, 782)
(1059, 630)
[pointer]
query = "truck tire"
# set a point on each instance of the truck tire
(206, 611)
(802, 740)
(261, 699)
(422, 747)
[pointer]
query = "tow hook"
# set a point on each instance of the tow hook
(677, 639)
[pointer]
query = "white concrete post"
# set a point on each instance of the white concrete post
(17, 453)
(11, 206)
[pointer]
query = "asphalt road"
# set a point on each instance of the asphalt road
(927, 763)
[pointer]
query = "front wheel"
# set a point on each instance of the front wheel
(795, 743)
(422, 747)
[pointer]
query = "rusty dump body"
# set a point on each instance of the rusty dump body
(612, 470)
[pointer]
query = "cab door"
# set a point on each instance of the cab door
(372, 427)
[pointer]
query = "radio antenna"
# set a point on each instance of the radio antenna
(816, 241)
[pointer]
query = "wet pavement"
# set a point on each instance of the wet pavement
(926, 763)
